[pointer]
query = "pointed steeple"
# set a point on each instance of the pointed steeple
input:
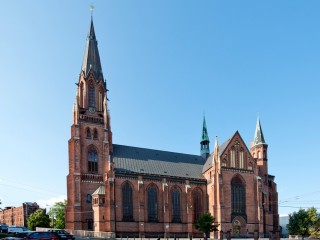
(91, 59)
(216, 155)
(204, 136)
(258, 135)
(204, 144)
(216, 146)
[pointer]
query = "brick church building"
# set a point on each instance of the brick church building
(135, 191)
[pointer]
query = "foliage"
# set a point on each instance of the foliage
(57, 215)
(206, 224)
(38, 219)
(315, 230)
(303, 222)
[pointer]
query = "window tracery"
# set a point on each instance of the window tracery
(127, 203)
(176, 218)
(92, 161)
(152, 204)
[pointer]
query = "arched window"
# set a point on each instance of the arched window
(232, 159)
(89, 198)
(88, 133)
(197, 205)
(152, 204)
(92, 161)
(95, 134)
(259, 156)
(176, 218)
(91, 96)
(127, 203)
(238, 196)
(241, 162)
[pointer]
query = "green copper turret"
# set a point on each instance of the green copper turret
(258, 135)
(204, 144)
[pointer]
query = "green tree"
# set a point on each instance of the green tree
(57, 215)
(206, 224)
(38, 219)
(315, 230)
(302, 222)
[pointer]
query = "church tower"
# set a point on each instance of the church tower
(204, 144)
(267, 189)
(91, 138)
(259, 149)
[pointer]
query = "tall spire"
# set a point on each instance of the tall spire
(258, 135)
(91, 59)
(204, 144)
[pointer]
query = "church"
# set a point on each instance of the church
(140, 192)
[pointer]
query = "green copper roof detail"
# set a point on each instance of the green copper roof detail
(258, 135)
(204, 136)
(204, 144)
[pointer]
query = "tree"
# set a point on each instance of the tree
(57, 215)
(38, 219)
(315, 230)
(302, 222)
(206, 224)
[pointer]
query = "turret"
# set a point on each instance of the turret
(204, 144)
(259, 151)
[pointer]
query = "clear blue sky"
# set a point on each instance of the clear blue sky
(166, 62)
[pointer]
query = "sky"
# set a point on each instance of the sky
(166, 63)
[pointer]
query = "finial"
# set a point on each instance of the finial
(91, 9)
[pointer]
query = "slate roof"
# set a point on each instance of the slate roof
(208, 163)
(129, 159)
(91, 59)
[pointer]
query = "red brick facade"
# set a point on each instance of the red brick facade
(18, 215)
(236, 187)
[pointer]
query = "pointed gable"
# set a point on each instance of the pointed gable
(234, 153)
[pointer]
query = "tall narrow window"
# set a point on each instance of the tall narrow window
(241, 164)
(232, 159)
(81, 95)
(90, 224)
(95, 134)
(197, 205)
(127, 203)
(88, 134)
(259, 156)
(152, 205)
(238, 196)
(91, 96)
(176, 218)
(92, 161)
(100, 99)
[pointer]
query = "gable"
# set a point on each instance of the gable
(235, 154)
